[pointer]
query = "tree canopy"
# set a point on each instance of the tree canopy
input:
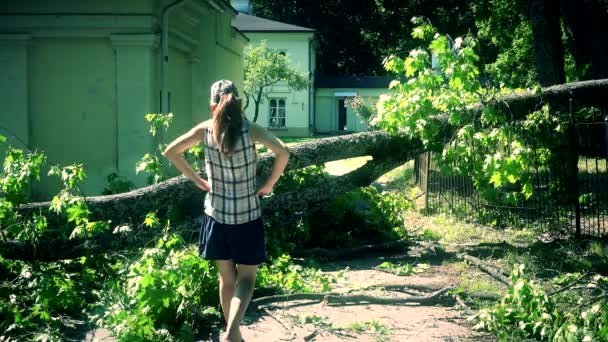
(355, 36)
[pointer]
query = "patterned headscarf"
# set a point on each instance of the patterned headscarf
(222, 87)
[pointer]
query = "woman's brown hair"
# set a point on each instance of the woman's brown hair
(227, 117)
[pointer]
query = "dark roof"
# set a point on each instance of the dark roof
(248, 23)
(353, 81)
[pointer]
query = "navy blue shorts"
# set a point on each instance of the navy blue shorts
(242, 243)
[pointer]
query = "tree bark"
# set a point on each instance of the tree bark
(52, 250)
(354, 252)
(579, 34)
(548, 49)
(132, 206)
(378, 144)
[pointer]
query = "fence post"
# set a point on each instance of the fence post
(573, 170)
(426, 183)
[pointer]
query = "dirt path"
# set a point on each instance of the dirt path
(369, 322)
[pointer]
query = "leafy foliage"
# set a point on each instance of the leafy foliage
(354, 36)
(154, 164)
(365, 215)
(401, 269)
(284, 276)
(504, 26)
(366, 110)
(495, 152)
(117, 184)
(151, 299)
(527, 311)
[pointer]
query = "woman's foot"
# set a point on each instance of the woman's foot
(232, 337)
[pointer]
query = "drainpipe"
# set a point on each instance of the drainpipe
(311, 108)
(164, 53)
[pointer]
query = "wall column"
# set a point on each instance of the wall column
(136, 96)
(14, 119)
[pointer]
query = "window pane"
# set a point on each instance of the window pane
(282, 122)
(282, 103)
(273, 112)
(282, 112)
(273, 122)
(273, 103)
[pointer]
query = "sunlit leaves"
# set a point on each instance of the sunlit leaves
(71, 175)
(151, 220)
(19, 167)
(527, 311)
(159, 122)
(151, 164)
(496, 155)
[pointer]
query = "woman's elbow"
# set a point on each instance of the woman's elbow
(285, 152)
(168, 153)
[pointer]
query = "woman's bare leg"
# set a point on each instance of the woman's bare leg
(227, 275)
(245, 282)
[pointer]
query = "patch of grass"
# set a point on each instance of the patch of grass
(400, 178)
(470, 282)
(402, 269)
(430, 235)
(372, 326)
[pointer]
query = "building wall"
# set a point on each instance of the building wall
(78, 86)
(79, 6)
(326, 108)
(297, 109)
(72, 108)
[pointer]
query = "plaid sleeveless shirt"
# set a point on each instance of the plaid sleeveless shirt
(232, 198)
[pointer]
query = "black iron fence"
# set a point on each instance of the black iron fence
(570, 191)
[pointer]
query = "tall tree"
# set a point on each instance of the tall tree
(548, 48)
(356, 35)
(586, 24)
(265, 67)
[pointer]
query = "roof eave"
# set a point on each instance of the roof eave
(279, 31)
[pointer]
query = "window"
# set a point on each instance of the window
(276, 117)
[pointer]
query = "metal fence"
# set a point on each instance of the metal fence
(570, 191)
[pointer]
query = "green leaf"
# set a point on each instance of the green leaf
(496, 179)
(151, 220)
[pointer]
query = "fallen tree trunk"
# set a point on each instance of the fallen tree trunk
(346, 253)
(584, 93)
(52, 250)
(380, 145)
(488, 269)
(342, 299)
(388, 152)
(133, 206)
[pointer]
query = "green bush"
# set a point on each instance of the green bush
(153, 296)
(527, 311)
(363, 215)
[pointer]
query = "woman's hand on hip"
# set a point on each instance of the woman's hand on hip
(265, 190)
(202, 184)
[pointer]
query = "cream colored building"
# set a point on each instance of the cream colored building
(77, 77)
(332, 112)
(321, 107)
(283, 111)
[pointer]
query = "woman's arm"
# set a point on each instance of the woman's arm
(174, 151)
(261, 135)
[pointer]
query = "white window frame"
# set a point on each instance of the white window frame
(274, 113)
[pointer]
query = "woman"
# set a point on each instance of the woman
(232, 232)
